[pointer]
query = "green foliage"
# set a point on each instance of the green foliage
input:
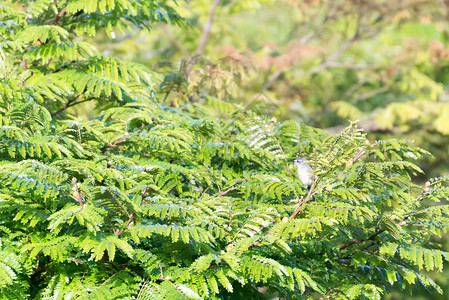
(314, 62)
(197, 200)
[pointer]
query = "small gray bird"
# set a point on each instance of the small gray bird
(305, 172)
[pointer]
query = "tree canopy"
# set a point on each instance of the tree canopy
(164, 191)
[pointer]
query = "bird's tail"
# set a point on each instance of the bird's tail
(308, 191)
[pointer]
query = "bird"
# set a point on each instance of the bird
(305, 172)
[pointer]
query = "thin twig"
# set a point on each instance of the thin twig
(279, 72)
(260, 229)
(303, 201)
(119, 141)
(222, 193)
(204, 192)
(379, 231)
(271, 80)
(70, 103)
(77, 193)
(130, 219)
(204, 36)
(334, 64)
(330, 60)
(149, 55)
(207, 28)
(143, 286)
(357, 156)
(115, 143)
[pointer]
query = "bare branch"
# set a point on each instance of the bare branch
(357, 156)
(59, 15)
(115, 143)
(118, 141)
(204, 192)
(144, 285)
(304, 201)
(222, 193)
(130, 219)
(207, 28)
(331, 59)
(70, 103)
(162, 278)
(77, 193)
(204, 37)
(23, 64)
(149, 55)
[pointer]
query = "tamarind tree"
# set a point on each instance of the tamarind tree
(197, 201)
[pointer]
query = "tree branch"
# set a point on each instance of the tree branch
(379, 231)
(204, 36)
(119, 141)
(70, 103)
(77, 193)
(331, 59)
(260, 229)
(304, 201)
(279, 72)
(59, 15)
(204, 192)
(222, 193)
(207, 28)
(24, 64)
(115, 143)
(130, 219)
(357, 156)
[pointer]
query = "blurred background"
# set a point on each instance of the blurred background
(322, 62)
